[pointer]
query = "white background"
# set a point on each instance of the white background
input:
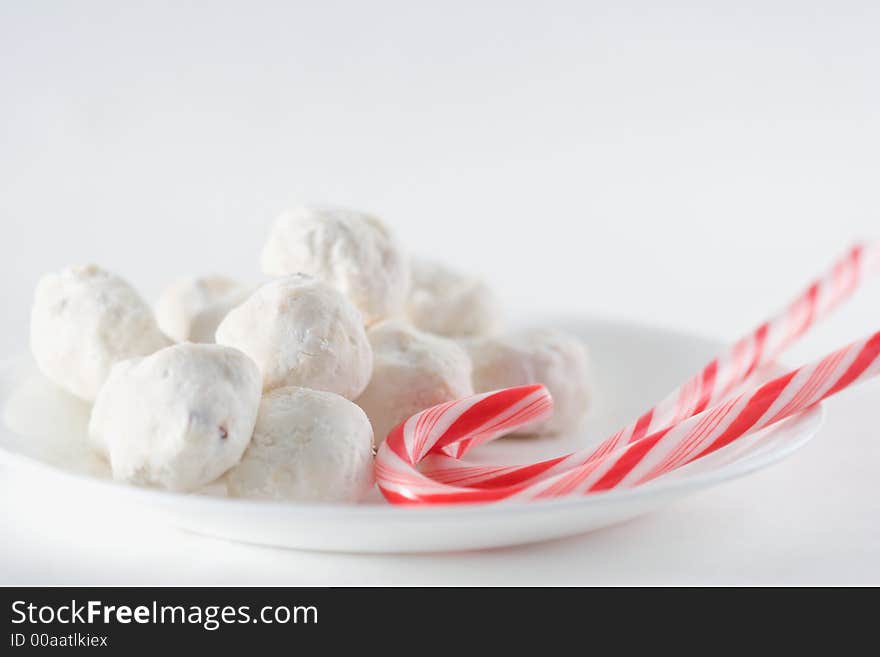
(689, 166)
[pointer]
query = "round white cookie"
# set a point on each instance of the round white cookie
(553, 358)
(84, 320)
(412, 370)
(205, 323)
(177, 419)
(189, 310)
(352, 251)
(449, 303)
(308, 446)
(302, 332)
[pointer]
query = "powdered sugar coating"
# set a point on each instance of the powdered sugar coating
(551, 357)
(83, 321)
(308, 446)
(446, 302)
(352, 251)
(412, 370)
(190, 309)
(177, 419)
(302, 332)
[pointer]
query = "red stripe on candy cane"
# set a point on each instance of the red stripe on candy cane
(642, 425)
(867, 357)
(707, 385)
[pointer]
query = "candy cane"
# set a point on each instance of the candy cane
(737, 363)
(490, 415)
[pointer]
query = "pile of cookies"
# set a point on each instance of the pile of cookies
(281, 390)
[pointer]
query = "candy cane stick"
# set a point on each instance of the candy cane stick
(720, 376)
(487, 416)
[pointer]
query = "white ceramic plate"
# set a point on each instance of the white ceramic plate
(43, 429)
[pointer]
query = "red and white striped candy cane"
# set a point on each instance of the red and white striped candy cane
(487, 416)
(758, 348)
